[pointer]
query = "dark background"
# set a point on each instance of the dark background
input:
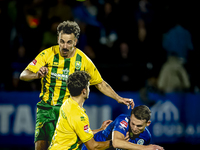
(21, 40)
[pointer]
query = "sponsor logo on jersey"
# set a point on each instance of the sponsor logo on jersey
(42, 54)
(66, 71)
(62, 77)
(82, 118)
(33, 63)
(124, 124)
(86, 128)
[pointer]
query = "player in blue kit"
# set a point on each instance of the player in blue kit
(134, 125)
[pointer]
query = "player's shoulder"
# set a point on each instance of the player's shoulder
(123, 117)
(146, 134)
(121, 124)
(51, 50)
(82, 54)
(122, 120)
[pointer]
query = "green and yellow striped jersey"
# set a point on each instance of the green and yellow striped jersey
(54, 90)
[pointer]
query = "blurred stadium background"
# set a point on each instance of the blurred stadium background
(130, 42)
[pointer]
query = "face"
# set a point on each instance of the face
(66, 42)
(138, 126)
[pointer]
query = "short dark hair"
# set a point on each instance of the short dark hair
(142, 112)
(69, 27)
(77, 81)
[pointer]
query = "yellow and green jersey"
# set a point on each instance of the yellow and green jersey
(72, 127)
(54, 88)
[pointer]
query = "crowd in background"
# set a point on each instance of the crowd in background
(140, 45)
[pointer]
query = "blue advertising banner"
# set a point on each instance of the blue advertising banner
(175, 117)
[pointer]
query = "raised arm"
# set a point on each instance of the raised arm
(107, 90)
(103, 126)
(28, 75)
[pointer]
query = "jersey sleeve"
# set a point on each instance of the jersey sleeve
(82, 129)
(94, 73)
(38, 62)
(121, 125)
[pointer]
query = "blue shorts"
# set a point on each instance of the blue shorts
(97, 137)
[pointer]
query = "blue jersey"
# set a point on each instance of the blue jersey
(121, 124)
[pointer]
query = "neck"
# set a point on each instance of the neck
(79, 99)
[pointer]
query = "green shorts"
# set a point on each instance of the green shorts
(46, 122)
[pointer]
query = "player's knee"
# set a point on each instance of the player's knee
(41, 145)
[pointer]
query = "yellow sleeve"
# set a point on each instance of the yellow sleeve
(94, 73)
(82, 129)
(38, 62)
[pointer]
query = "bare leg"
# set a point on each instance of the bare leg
(41, 145)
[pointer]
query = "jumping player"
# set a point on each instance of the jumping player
(53, 66)
(135, 125)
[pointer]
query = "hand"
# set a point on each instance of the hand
(126, 138)
(153, 147)
(42, 72)
(105, 124)
(127, 101)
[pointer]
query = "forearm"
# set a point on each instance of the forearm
(107, 90)
(96, 130)
(94, 145)
(27, 75)
(102, 145)
(122, 144)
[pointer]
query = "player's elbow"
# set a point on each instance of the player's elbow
(22, 76)
(97, 145)
(25, 76)
(99, 85)
(91, 145)
(115, 143)
(94, 146)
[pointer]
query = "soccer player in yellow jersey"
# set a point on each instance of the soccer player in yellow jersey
(73, 126)
(53, 66)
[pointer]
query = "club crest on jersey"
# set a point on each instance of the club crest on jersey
(124, 124)
(33, 63)
(140, 142)
(86, 128)
(78, 65)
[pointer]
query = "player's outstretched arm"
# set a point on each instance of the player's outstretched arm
(103, 126)
(107, 90)
(119, 141)
(93, 145)
(28, 75)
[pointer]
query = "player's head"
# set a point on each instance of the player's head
(140, 118)
(78, 84)
(68, 33)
